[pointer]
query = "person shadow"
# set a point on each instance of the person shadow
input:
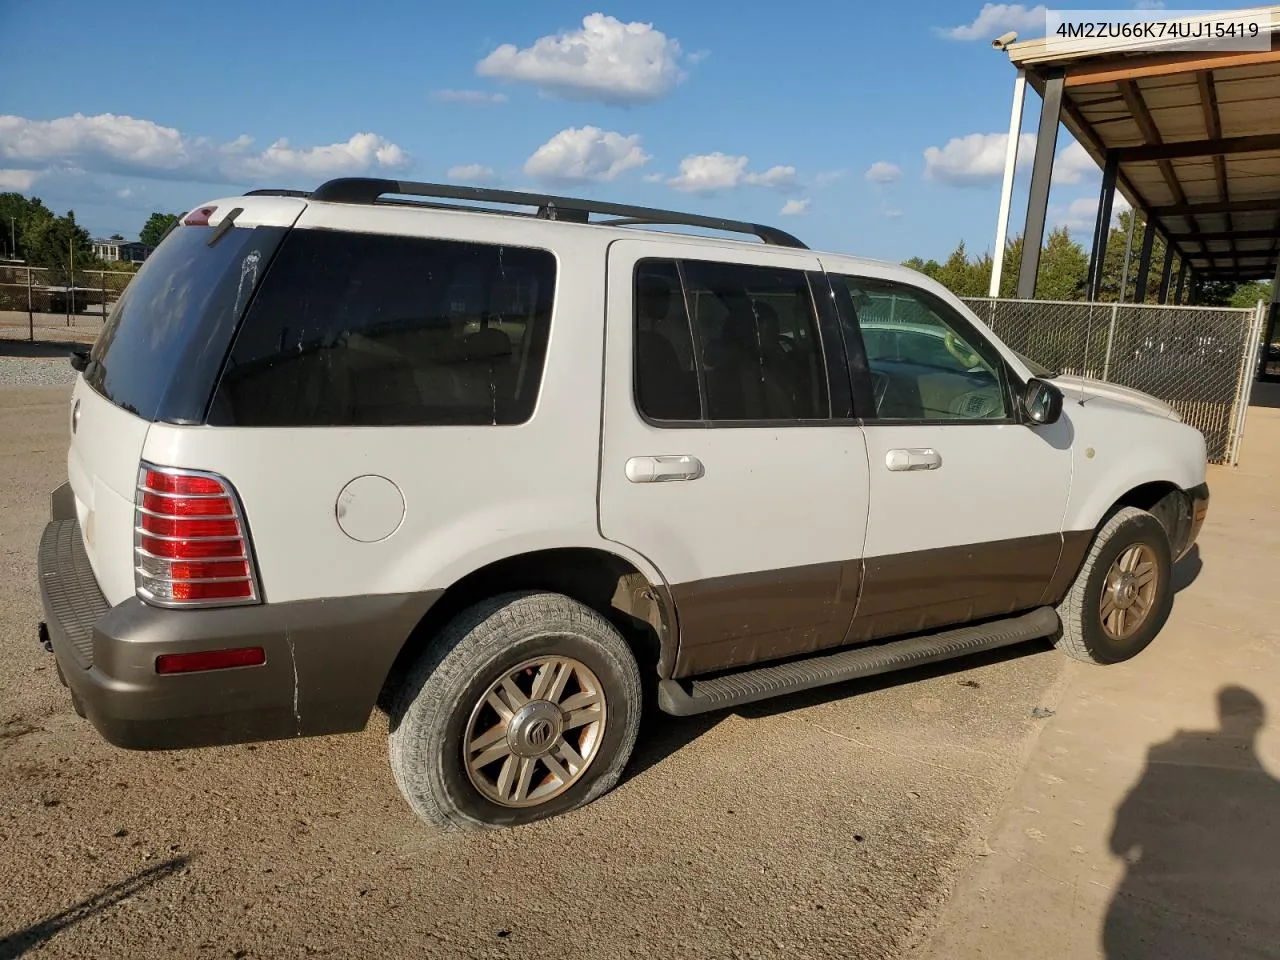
(1200, 837)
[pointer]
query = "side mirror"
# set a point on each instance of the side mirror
(79, 359)
(1042, 402)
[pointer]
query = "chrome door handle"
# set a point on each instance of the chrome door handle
(659, 469)
(913, 458)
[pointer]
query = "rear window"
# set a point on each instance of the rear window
(364, 329)
(159, 354)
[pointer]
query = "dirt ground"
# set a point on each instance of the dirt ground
(827, 825)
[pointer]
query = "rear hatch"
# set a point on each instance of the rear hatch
(157, 360)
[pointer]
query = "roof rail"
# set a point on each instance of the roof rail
(272, 192)
(570, 209)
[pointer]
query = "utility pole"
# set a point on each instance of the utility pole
(13, 243)
(71, 280)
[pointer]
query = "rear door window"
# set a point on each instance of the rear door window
(726, 342)
(367, 329)
(159, 354)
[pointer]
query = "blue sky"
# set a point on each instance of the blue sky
(877, 127)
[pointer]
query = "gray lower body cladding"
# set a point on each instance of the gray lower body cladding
(326, 660)
(760, 683)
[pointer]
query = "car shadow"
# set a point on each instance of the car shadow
(42, 349)
(19, 942)
(1186, 570)
(1198, 836)
(663, 735)
(1265, 393)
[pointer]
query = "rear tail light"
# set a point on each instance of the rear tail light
(191, 542)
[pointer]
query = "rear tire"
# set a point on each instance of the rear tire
(525, 707)
(1123, 593)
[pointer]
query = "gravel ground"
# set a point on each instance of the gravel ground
(35, 372)
(826, 825)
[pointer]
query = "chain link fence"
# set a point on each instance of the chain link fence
(1202, 361)
(39, 304)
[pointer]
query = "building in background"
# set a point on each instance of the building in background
(115, 251)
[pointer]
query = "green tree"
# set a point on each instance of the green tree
(1248, 294)
(55, 243)
(1064, 268)
(930, 268)
(156, 227)
(1009, 269)
(954, 274)
(1215, 293)
(18, 214)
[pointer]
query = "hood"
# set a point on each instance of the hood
(1086, 388)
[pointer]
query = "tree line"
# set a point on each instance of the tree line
(35, 234)
(1064, 270)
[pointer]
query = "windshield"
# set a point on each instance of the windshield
(167, 336)
(1037, 369)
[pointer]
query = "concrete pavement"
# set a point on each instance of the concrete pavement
(1146, 823)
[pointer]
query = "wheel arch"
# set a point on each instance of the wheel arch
(1165, 500)
(636, 602)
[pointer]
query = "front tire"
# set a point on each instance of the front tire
(1123, 593)
(525, 707)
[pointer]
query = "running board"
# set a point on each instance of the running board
(683, 699)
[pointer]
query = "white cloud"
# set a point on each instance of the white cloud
(892, 213)
(975, 158)
(827, 177)
(472, 173)
(794, 208)
(779, 177)
(882, 171)
(477, 98)
(108, 143)
(1079, 215)
(585, 154)
(997, 18)
(706, 173)
(607, 60)
(124, 193)
(978, 158)
(1073, 164)
(364, 151)
(19, 180)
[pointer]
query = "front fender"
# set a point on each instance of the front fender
(1117, 449)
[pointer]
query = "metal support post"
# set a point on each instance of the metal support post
(1041, 176)
(1102, 225)
(1006, 187)
(1165, 272)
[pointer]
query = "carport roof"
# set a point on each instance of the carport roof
(1196, 134)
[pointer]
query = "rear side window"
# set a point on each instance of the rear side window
(727, 342)
(160, 351)
(363, 329)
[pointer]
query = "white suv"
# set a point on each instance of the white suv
(501, 471)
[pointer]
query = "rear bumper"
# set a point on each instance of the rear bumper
(326, 660)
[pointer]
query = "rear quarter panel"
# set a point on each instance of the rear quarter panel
(472, 494)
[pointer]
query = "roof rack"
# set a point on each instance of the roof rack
(570, 209)
(278, 193)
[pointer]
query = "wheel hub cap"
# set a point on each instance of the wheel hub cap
(535, 731)
(1130, 592)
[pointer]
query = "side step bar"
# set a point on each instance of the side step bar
(684, 698)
